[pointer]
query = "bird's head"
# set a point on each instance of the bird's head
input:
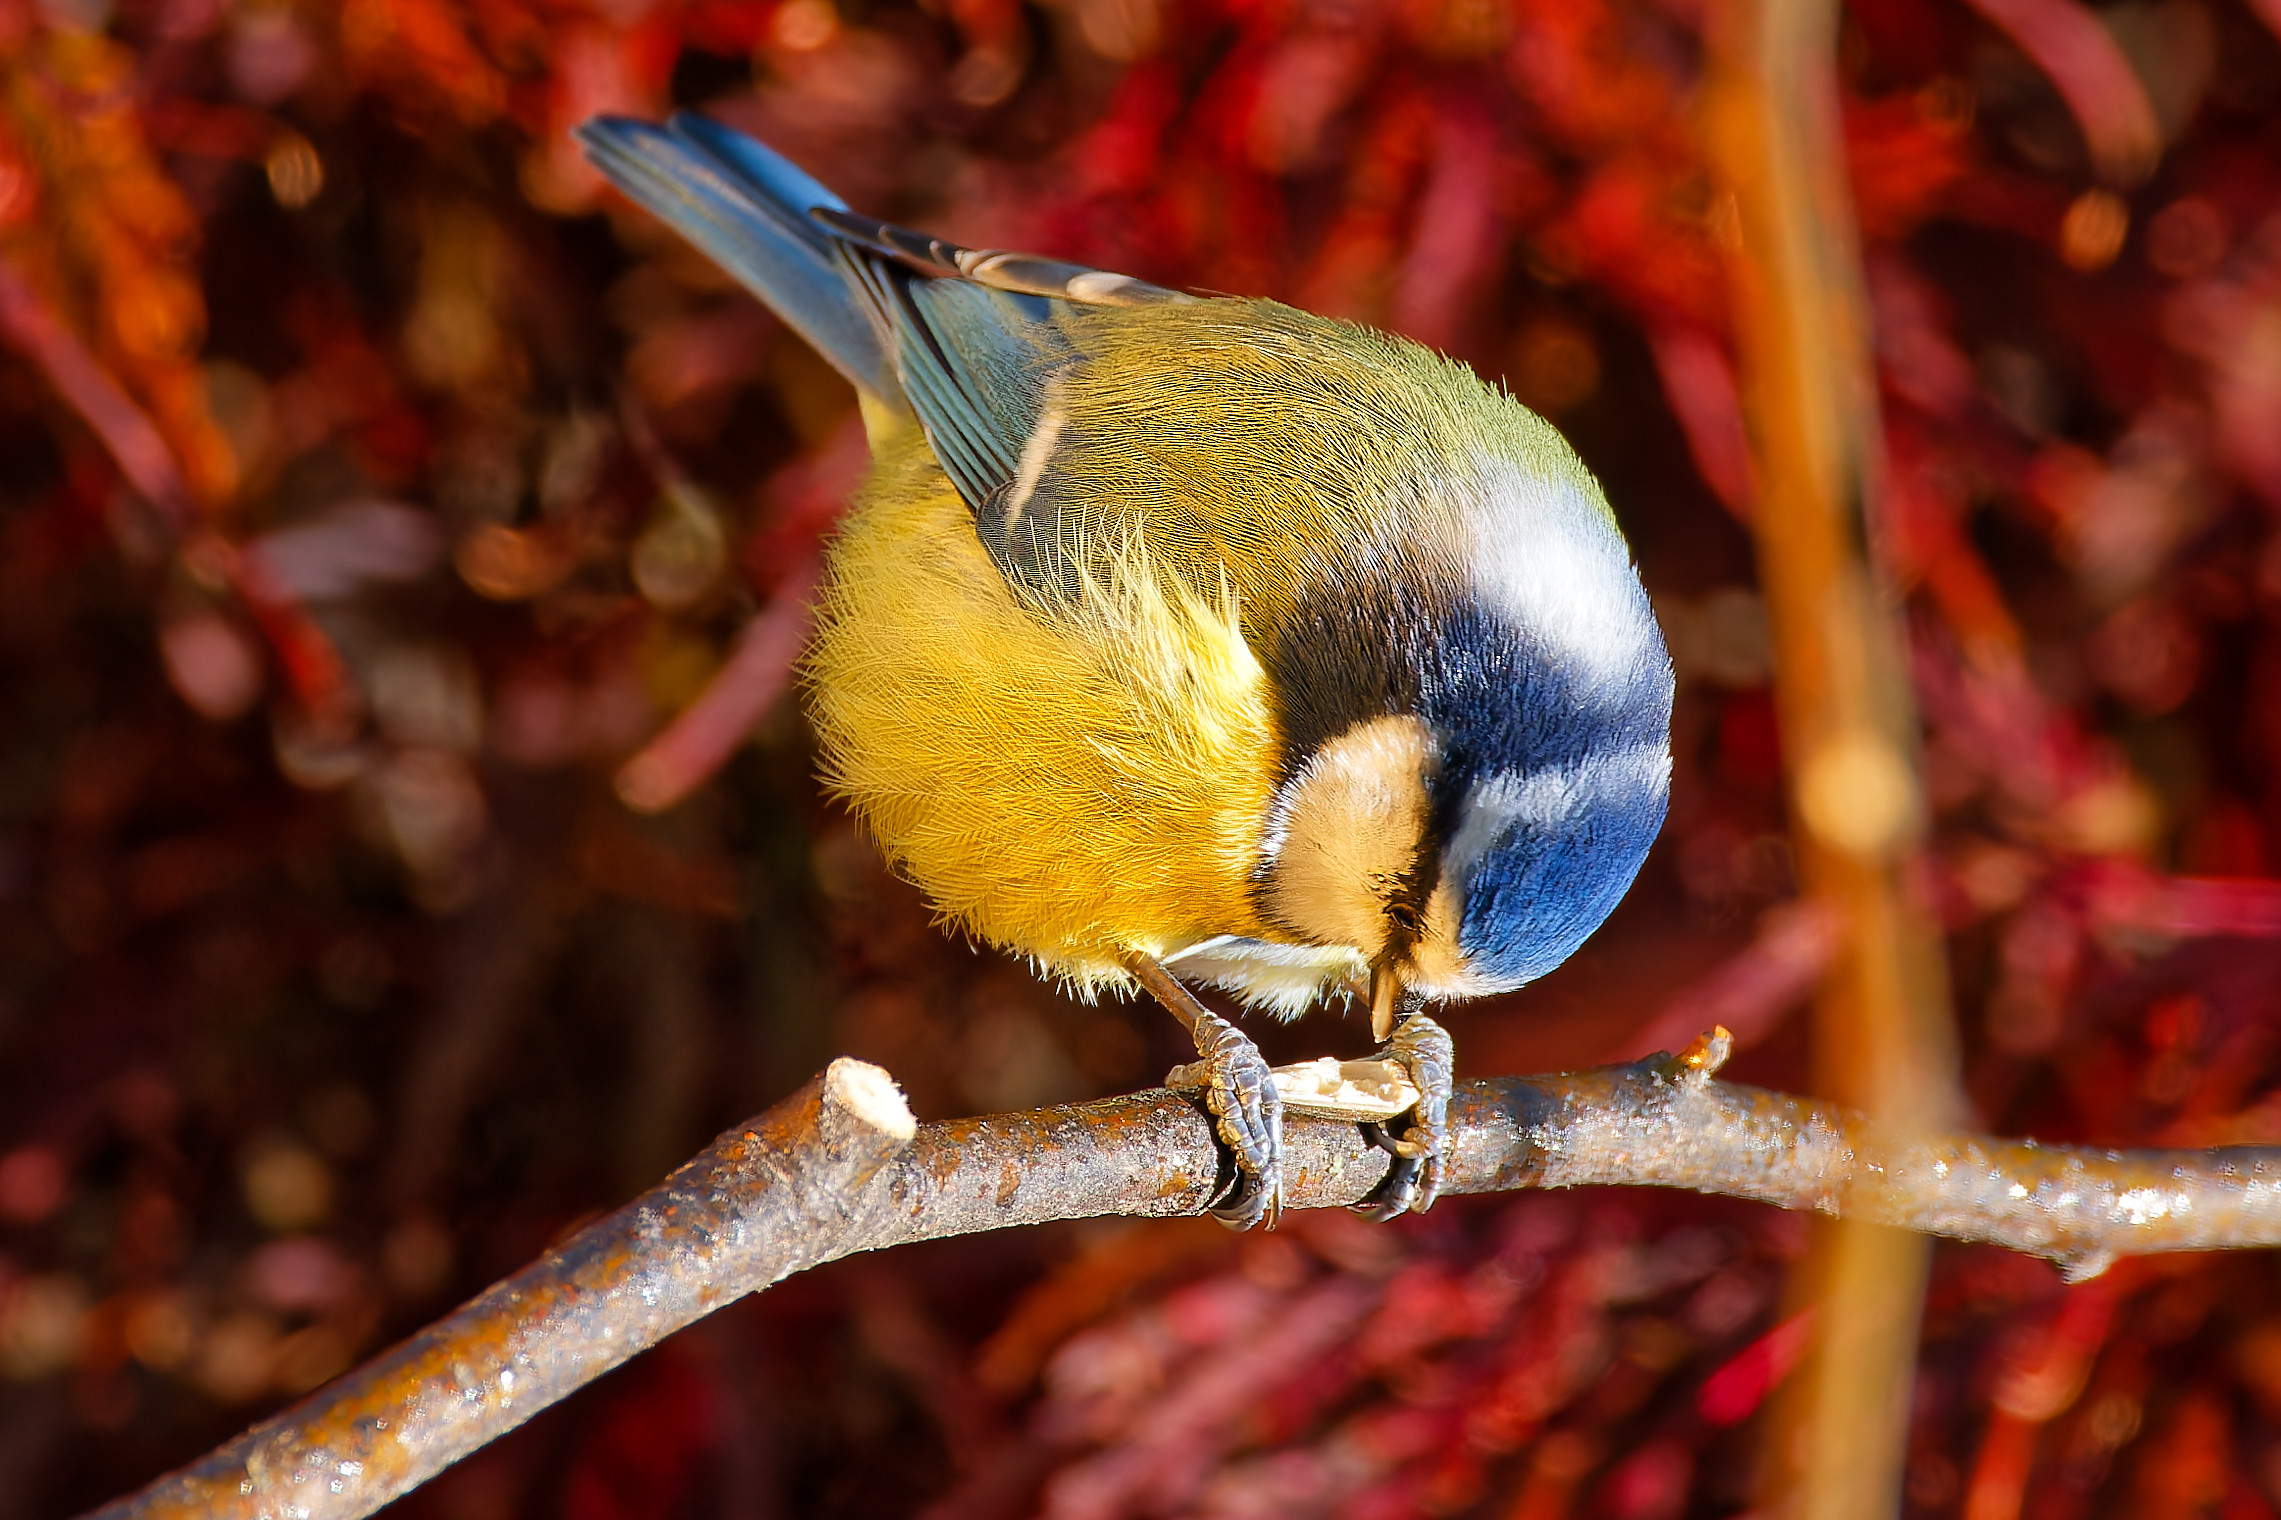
(1457, 886)
(1471, 833)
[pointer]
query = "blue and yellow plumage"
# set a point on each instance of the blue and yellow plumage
(1202, 639)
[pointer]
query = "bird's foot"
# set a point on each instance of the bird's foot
(1239, 1090)
(1247, 1114)
(1423, 1049)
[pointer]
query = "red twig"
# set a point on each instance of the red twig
(308, 657)
(707, 732)
(132, 439)
(2070, 44)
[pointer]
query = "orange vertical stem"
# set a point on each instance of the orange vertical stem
(1882, 1037)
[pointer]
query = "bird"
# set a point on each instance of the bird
(1180, 641)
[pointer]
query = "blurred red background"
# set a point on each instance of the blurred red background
(376, 488)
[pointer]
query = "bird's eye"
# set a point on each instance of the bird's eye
(1404, 901)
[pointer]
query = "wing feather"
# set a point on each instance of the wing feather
(971, 339)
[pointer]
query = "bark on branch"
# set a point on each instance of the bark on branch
(840, 1168)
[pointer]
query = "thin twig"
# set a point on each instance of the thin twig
(134, 441)
(708, 731)
(835, 1170)
(141, 452)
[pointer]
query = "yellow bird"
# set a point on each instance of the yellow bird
(1180, 640)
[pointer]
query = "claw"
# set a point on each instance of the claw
(1239, 1092)
(1413, 1180)
(1247, 1115)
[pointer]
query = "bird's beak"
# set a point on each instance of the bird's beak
(1385, 987)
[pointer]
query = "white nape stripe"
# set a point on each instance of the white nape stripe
(1547, 797)
(1036, 450)
(1546, 556)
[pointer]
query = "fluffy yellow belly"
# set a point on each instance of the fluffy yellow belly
(1071, 786)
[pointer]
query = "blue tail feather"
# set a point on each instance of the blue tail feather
(747, 207)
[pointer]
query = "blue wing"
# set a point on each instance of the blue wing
(965, 337)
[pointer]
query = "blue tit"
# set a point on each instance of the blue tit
(1202, 641)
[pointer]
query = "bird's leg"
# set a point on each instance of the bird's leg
(1247, 1112)
(1423, 1049)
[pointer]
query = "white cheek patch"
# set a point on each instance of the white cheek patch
(1346, 830)
(1546, 557)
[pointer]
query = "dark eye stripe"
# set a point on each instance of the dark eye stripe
(1346, 653)
(1350, 653)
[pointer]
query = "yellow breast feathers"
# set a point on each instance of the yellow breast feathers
(1069, 785)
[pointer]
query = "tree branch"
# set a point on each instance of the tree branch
(839, 1168)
